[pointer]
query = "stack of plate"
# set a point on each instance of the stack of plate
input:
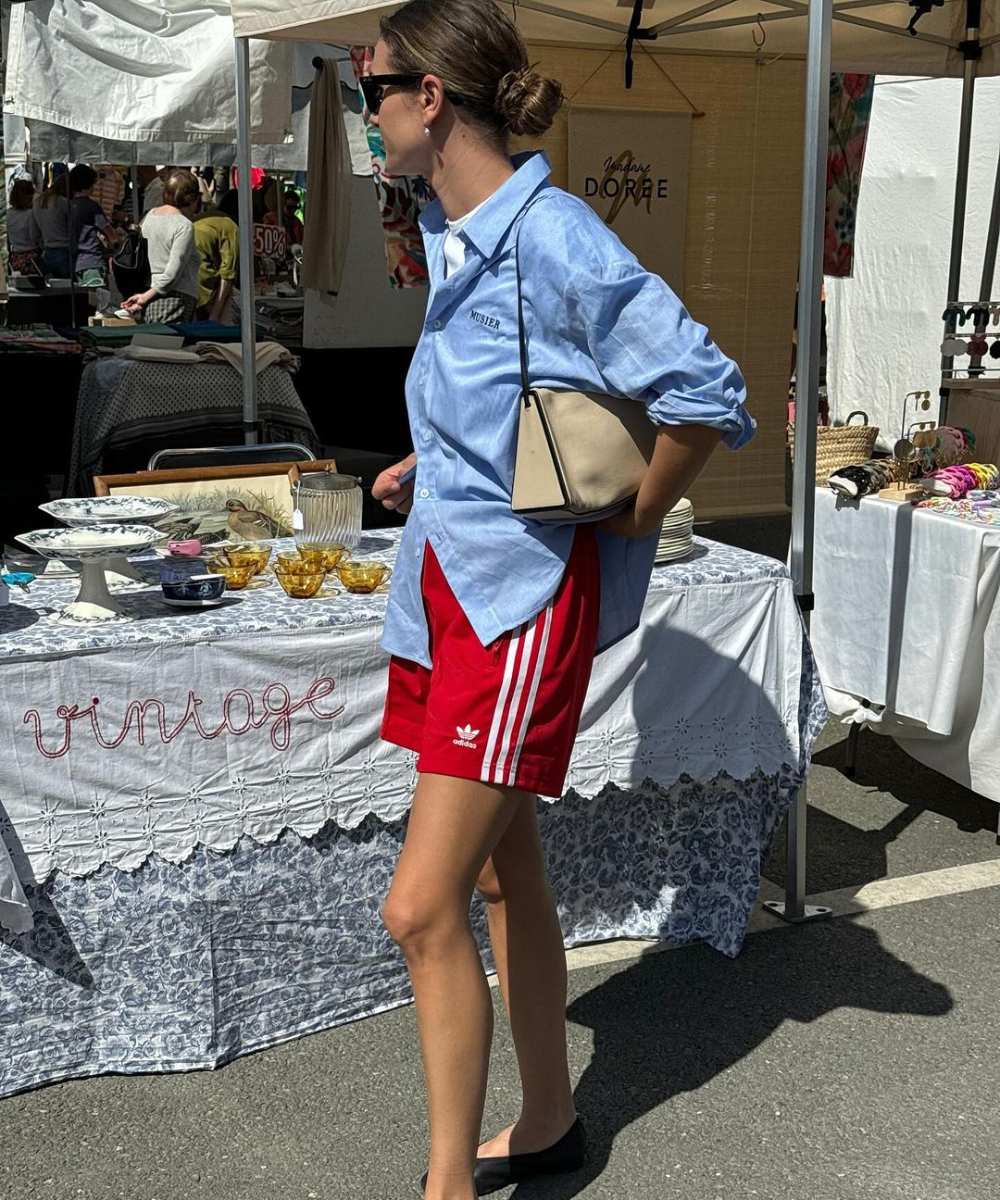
(677, 534)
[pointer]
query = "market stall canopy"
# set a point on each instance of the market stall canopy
(42, 141)
(868, 35)
(130, 71)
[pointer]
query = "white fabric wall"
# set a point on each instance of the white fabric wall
(129, 70)
(884, 324)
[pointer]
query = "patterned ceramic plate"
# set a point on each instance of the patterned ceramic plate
(103, 510)
(90, 543)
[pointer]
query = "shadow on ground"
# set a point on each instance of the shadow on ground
(659, 1032)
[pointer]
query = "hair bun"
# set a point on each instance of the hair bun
(527, 102)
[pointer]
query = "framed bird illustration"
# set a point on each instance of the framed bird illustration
(248, 503)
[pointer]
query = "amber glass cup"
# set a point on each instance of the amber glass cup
(362, 576)
(331, 554)
(298, 564)
(256, 556)
(237, 577)
(300, 585)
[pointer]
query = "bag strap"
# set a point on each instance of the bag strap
(522, 337)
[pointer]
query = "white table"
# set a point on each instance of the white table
(907, 620)
(204, 853)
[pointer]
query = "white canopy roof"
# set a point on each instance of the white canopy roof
(131, 71)
(869, 35)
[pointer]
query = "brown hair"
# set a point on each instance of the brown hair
(479, 55)
(180, 188)
(57, 189)
(22, 194)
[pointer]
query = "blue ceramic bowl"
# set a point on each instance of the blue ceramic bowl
(200, 587)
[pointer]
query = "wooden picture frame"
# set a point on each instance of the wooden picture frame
(216, 504)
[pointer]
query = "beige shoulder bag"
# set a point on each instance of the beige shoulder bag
(580, 456)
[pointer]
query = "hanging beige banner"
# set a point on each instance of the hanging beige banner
(632, 169)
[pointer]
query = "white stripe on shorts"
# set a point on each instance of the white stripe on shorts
(546, 616)
(513, 645)
(529, 641)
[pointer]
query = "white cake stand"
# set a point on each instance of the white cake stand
(95, 511)
(93, 547)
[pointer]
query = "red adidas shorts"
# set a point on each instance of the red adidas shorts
(506, 713)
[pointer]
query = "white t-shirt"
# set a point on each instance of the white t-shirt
(454, 247)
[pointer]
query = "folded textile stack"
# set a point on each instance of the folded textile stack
(862, 479)
(677, 533)
(956, 482)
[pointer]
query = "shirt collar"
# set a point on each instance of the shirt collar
(487, 227)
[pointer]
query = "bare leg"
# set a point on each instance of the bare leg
(531, 965)
(454, 826)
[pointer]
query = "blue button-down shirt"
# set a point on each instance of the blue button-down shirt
(595, 321)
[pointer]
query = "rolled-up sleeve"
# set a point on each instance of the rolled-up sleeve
(648, 347)
(640, 337)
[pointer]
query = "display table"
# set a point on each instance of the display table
(204, 821)
(127, 410)
(907, 619)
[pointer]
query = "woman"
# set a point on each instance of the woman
(52, 219)
(493, 620)
(174, 261)
(24, 239)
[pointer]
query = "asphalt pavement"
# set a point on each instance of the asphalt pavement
(850, 1059)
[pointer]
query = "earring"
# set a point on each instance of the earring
(427, 131)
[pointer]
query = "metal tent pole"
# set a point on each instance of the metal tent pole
(817, 117)
(992, 237)
(972, 50)
(248, 311)
(989, 256)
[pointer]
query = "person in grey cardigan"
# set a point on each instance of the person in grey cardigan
(173, 255)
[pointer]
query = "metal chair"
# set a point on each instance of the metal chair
(221, 456)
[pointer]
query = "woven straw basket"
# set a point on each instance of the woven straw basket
(839, 445)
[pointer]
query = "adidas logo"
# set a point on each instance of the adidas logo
(465, 737)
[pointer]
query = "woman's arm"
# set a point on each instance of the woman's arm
(220, 304)
(679, 457)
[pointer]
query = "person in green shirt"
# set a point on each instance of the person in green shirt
(216, 234)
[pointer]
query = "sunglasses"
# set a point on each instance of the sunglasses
(373, 89)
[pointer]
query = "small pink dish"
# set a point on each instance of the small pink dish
(190, 546)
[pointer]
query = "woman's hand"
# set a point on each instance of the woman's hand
(138, 302)
(393, 494)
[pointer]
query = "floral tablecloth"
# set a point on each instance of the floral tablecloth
(202, 821)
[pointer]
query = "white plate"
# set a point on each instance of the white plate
(103, 510)
(221, 600)
(91, 542)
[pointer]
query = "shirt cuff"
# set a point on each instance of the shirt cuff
(737, 426)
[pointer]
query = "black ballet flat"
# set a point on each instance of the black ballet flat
(568, 1154)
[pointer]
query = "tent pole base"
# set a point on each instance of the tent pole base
(810, 912)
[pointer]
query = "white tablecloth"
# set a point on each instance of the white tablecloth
(185, 729)
(197, 954)
(907, 618)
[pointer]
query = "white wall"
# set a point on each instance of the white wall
(367, 312)
(885, 326)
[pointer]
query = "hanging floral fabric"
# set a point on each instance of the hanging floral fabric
(401, 200)
(850, 111)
